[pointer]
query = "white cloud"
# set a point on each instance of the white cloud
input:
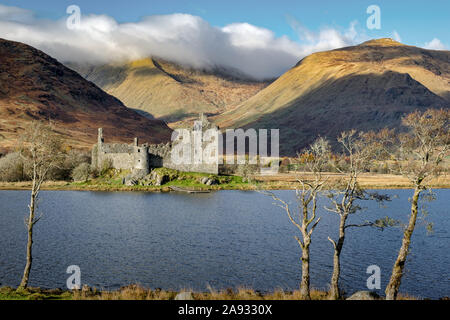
(396, 36)
(435, 44)
(327, 38)
(182, 38)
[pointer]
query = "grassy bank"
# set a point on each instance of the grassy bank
(112, 181)
(136, 292)
(8, 293)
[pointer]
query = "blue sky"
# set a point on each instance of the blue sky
(260, 38)
(416, 21)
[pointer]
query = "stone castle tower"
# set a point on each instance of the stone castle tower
(120, 156)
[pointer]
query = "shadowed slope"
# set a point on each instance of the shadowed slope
(363, 87)
(35, 86)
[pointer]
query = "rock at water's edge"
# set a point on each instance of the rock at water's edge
(364, 295)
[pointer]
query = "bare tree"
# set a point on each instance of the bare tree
(418, 154)
(345, 194)
(315, 158)
(41, 150)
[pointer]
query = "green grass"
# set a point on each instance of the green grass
(112, 180)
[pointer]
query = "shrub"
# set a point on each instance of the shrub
(12, 168)
(246, 171)
(81, 172)
(72, 159)
(105, 167)
(382, 168)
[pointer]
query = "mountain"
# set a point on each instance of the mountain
(33, 85)
(364, 87)
(169, 91)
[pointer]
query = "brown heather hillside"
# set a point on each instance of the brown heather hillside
(35, 86)
(365, 87)
(168, 91)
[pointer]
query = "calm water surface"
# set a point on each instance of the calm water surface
(223, 239)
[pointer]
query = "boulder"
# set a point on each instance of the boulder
(208, 181)
(161, 179)
(364, 295)
(133, 178)
(184, 296)
(131, 182)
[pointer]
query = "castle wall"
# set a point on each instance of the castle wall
(94, 157)
(126, 157)
(117, 148)
(135, 157)
(122, 156)
(118, 160)
(202, 167)
(191, 166)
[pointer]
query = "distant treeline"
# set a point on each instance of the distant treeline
(14, 167)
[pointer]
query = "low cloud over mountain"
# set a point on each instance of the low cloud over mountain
(181, 38)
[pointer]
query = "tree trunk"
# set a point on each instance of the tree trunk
(334, 293)
(30, 224)
(399, 265)
(304, 285)
(334, 286)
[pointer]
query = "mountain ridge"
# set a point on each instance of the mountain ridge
(374, 83)
(34, 86)
(169, 91)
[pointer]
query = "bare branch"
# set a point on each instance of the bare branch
(333, 242)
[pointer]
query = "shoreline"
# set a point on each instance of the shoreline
(100, 188)
(137, 292)
(276, 182)
(97, 188)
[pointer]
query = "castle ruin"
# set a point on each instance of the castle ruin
(142, 158)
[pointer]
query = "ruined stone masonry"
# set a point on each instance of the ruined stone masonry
(142, 158)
